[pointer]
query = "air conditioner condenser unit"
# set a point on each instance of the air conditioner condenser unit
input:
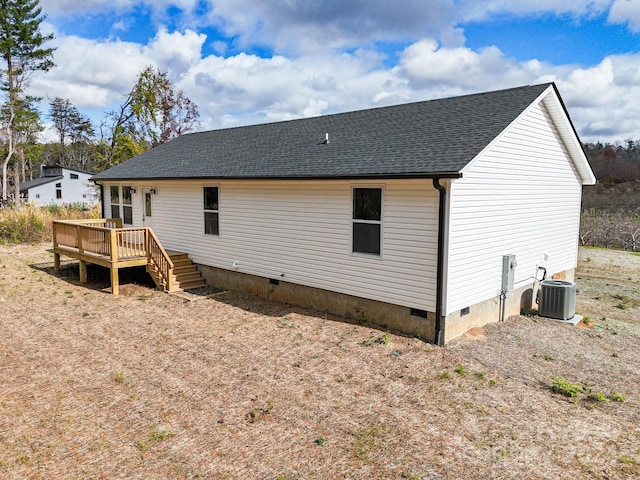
(557, 299)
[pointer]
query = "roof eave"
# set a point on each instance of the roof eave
(574, 144)
(372, 176)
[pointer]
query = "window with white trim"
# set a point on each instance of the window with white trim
(127, 206)
(211, 211)
(366, 221)
(114, 193)
(121, 207)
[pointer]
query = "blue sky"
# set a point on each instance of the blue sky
(251, 61)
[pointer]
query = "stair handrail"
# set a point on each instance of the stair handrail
(163, 261)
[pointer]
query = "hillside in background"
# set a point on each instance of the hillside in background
(614, 163)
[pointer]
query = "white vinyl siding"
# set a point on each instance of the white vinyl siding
(300, 232)
(521, 197)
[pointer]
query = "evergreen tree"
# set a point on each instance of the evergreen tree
(22, 53)
(71, 126)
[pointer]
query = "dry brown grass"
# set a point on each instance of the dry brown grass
(609, 283)
(31, 224)
(151, 386)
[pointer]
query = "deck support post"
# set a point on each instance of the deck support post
(83, 271)
(56, 262)
(115, 281)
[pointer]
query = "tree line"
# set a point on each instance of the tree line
(611, 208)
(614, 163)
(153, 112)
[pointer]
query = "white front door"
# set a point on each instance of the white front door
(147, 208)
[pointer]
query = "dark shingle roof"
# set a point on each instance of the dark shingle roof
(422, 139)
(36, 182)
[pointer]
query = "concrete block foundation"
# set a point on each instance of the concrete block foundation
(384, 315)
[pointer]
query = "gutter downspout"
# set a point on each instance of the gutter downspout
(439, 340)
(102, 206)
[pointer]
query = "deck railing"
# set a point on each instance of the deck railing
(158, 257)
(128, 243)
(106, 240)
(67, 233)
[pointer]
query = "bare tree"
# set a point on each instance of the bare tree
(153, 112)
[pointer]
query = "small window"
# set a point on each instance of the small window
(147, 204)
(73, 176)
(59, 193)
(366, 221)
(211, 211)
(114, 193)
(127, 208)
(37, 195)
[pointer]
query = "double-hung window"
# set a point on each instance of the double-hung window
(125, 202)
(211, 211)
(366, 221)
(114, 193)
(127, 206)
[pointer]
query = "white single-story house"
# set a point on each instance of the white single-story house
(60, 185)
(401, 215)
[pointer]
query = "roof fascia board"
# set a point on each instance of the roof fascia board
(569, 136)
(450, 175)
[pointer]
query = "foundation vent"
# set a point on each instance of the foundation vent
(557, 299)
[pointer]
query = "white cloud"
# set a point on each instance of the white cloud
(482, 10)
(95, 75)
(90, 73)
(604, 100)
(300, 25)
(626, 11)
(71, 7)
(119, 26)
(248, 89)
(175, 52)
(67, 7)
(461, 69)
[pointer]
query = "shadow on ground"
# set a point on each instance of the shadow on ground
(98, 278)
(134, 278)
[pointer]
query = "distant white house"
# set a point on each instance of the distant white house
(60, 185)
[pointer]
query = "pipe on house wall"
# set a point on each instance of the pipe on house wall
(102, 205)
(439, 337)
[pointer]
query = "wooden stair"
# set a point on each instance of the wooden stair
(185, 273)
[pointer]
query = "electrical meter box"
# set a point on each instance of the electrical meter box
(508, 271)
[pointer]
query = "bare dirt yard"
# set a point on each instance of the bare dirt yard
(153, 386)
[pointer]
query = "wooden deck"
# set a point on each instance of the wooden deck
(104, 242)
